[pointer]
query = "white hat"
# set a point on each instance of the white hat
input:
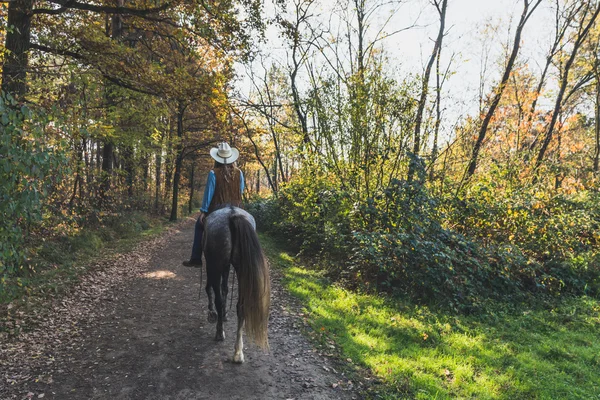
(224, 154)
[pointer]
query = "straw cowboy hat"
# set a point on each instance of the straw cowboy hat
(224, 154)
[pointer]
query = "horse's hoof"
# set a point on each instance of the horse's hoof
(238, 358)
(220, 337)
(212, 317)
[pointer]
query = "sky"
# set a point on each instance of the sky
(464, 42)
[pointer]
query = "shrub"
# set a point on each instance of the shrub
(456, 252)
(311, 213)
(557, 233)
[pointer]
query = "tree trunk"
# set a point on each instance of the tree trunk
(78, 147)
(275, 180)
(99, 156)
(192, 187)
(146, 171)
(89, 167)
(107, 168)
(558, 178)
(278, 161)
(597, 127)
(17, 43)
(360, 148)
(178, 164)
(169, 162)
(300, 113)
(295, 35)
(258, 181)
(157, 178)
(128, 166)
(108, 152)
(74, 194)
(438, 116)
(425, 87)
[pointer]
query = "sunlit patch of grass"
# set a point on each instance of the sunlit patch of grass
(422, 353)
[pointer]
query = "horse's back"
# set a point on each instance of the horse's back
(217, 229)
(221, 217)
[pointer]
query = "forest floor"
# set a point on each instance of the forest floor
(135, 328)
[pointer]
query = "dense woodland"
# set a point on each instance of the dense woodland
(110, 108)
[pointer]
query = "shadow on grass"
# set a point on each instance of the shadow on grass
(422, 353)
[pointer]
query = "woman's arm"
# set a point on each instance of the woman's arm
(242, 183)
(209, 191)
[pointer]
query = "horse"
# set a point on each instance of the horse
(230, 239)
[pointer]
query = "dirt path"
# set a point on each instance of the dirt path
(136, 329)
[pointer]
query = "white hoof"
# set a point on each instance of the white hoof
(238, 358)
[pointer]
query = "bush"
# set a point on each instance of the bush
(311, 213)
(456, 252)
(405, 248)
(266, 212)
(557, 233)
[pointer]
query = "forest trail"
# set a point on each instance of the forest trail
(143, 334)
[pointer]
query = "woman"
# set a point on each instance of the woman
(224, 187)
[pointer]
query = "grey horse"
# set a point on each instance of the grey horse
(230, 239)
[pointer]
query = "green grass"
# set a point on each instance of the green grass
(58, 263)
(417, 352)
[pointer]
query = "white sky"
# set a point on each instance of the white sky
(408, 51)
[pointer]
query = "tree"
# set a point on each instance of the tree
(441, 6)
(294, 31)
(528, 9)
(587, 17)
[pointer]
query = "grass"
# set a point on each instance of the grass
(417, 352)
(58, 263)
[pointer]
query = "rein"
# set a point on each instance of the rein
(201, 282)
(231, 297)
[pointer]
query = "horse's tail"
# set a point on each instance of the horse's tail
(253, 278)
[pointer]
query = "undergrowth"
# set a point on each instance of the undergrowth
(487, 245)
(56, 263)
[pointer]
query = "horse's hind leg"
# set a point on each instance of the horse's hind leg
(225, 290)
(212, 315)
(238, 356)
(220, 335)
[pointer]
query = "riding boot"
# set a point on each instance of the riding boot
(196, 258)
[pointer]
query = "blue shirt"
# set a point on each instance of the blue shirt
(209, 190)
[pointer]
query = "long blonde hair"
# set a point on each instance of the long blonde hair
(228, 169)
